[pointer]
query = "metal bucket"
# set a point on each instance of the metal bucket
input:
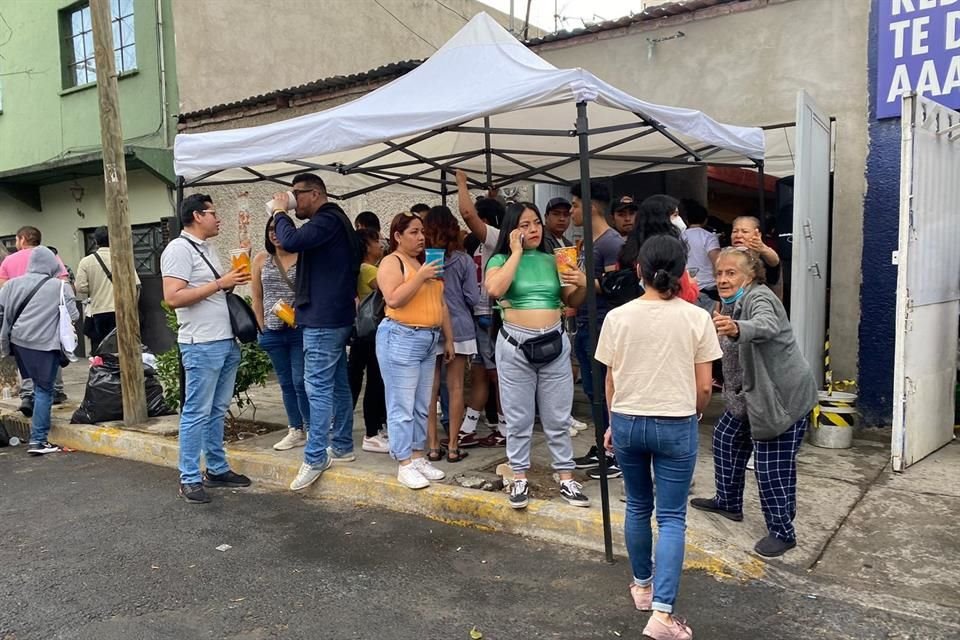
(834, 425)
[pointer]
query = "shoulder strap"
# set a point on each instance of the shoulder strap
(283, 273)
(197, 247)
(23, 305)
(402, 269)
(103, 266)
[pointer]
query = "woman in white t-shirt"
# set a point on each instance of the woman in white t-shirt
(659, 351)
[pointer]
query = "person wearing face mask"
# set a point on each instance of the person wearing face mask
(768, 391)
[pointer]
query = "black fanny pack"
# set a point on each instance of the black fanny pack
(543, 349)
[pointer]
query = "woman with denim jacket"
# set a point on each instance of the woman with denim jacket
(415, 330)
(533, 351)
(659, 351)
(274, 272)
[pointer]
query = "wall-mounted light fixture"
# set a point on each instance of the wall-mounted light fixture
(77, 191)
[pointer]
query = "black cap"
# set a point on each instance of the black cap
(558, 203)
(625, 202)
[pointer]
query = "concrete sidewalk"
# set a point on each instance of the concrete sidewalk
(864, 533)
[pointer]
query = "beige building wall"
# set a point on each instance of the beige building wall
(59, 222)
(228, 50)
(745, 67)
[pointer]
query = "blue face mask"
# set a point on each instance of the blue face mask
(734, 297)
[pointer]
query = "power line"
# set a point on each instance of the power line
(430, 44)
(452, 10)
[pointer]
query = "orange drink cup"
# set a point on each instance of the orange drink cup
(566, 260)
(285, 312)
(240, 259)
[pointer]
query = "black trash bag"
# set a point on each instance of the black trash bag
(102, 401)
(108, 346)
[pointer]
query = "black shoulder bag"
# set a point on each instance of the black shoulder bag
(371, 312)
(242, 319)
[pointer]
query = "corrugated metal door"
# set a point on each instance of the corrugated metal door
(811, 231)
(928, 281)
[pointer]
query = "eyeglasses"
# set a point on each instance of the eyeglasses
(297, 192)
(212, 212)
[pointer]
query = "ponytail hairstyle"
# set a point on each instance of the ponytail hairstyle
(661, 263)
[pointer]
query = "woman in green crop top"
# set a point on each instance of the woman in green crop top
(533, 352)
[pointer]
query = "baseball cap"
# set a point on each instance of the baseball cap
(625, 202)
(558, 203)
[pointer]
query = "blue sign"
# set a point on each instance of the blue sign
(919, 50)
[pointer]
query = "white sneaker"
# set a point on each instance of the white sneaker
(410, 477)
(427, 470)
(347, 457)
(576, 424)
(375, 444)
(573, 432)
(294, 438)
(308, 474)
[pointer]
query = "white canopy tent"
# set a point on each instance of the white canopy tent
(487, 104)
(483, 102)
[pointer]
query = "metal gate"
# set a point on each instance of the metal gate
(928, 281)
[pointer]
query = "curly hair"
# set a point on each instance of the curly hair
(441, 229)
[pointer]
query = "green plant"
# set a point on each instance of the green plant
(254, 368)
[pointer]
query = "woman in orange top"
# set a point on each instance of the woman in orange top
(408, 341)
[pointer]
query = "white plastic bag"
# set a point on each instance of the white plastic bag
(68, 333)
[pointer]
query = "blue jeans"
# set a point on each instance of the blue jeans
(42, 367)
(285, 348)
(211, 370)
(328, 389)
(581, 347)
(670, 445)
(409, 355)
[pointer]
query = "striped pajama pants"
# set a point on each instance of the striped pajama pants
(775, 464)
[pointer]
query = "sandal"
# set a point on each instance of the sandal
(435, 455)
(460, 455)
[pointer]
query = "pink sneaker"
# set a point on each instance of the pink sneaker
(658, 630)
(642, 596)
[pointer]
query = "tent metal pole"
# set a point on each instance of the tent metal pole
(176, 214)
(761, 196)
(486, 149)
(596, 403)
(443, 187)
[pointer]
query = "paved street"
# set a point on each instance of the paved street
(96, 547)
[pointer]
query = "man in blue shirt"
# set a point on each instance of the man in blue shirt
(325, 305)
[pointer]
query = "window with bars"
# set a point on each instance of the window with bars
(80, 65)
(148, 244)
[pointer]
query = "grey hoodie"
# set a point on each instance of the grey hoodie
(777, 382)
(38, 325)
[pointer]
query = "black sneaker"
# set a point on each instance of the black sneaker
(41, 448)
(60, 398)
(226, 479)
(773, 547)
(572, 492)
(613, 469)
(26, 406)
(194, 493)
(519, 494)
(592, 459)
(710, 506)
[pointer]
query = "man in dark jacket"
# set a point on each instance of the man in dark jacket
(325, 304)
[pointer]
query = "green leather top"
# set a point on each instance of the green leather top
(536, 284)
